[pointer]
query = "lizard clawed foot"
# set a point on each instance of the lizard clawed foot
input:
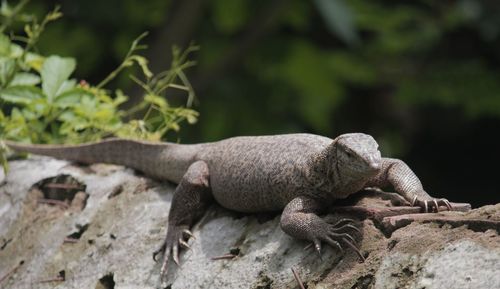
(170, 247)
(334, 235)
(431, 205)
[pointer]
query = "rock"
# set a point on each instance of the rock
(105, 223)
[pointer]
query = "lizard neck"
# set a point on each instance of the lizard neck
(327, 175)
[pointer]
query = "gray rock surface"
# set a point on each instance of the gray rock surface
(113, 233)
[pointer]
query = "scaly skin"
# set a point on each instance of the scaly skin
(301, 174)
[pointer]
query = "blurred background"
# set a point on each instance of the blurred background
(422, 77)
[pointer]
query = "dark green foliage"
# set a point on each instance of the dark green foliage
(42, 103)
(418, 75)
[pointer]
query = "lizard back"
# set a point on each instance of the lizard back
(261, 173)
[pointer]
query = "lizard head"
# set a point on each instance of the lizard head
(357, 154)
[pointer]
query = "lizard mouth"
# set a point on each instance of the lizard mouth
(374, 162)
(374, 166)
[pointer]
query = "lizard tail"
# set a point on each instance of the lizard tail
(159, 160)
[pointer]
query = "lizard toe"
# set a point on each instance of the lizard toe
(175, 254)
(158, 251)
(335, 244)
(184, 244)
(317, 246)
(447, 204)
(343, 221)
(435, 204)
(341, 235)
(432, 205)
(164, 264)
(344, 228)
(361, 257)
(188, 233)
(171, 246)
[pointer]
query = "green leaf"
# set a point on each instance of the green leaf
(66, 86)
(34, 61)
(4, 45)
(40, 106)
(21, 94)
(69, 98)
(338, 18)
(7, 67)
(17, 116)
(25, 78)
(55, 71)
(15, 51)
(3, 157)
(29, 114)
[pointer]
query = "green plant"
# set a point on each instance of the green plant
(41, 103)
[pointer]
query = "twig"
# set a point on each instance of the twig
(126, 61)
(55, 279)
(11, 271)
(70, 240)
(297, 278)
(222, 257)
(61, 277)
(62, 186)
(54, 202)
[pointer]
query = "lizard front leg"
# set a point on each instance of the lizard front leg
(300, 220)
(188, 203)
(396, 173)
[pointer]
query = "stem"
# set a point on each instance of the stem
(10, 18)
(134, 47)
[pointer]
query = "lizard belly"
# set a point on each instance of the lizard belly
(245, 197)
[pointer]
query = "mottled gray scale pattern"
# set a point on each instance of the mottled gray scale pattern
(300, 219)
(396, 173)
(264, 173)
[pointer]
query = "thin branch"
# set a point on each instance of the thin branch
(133, 48)
(11, 271)
(297, 278)
(223, 257)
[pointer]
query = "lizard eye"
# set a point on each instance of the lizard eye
(348, 154)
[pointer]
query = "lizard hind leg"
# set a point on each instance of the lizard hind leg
(189, 202)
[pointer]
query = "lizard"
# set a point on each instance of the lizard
(300, 174)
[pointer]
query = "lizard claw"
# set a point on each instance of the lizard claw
(343, 224)
(184, 244)
(175, 254)
(355, 249)
(187, 232)
(343, 221)
(436, 205)
(341, 228)
(317, 246)
(158, 251)
(170, 247)
(431, 205)
(447, 204)
(413, 200)
(334, 235)
(333, 243)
